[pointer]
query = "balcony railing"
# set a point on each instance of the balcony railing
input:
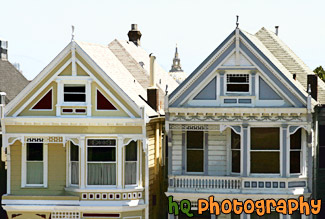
(234, 183)
(204, 182)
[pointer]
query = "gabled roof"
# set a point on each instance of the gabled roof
(108, 62)
(137, 62)
(275, 53)
(11, 80)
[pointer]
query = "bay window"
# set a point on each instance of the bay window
(74, 164)
(101, 162)
(265, 150)
(194, 151)
(295, 152)
(235, 152)
(131, 161)
(34, 164)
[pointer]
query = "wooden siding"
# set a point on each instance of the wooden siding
(177, 152)
(217, 158)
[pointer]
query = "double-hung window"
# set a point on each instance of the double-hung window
(235, 152)
(34, 164)
(265, 150)
(295, 152)
(131, 161)
(194, 151)
(237, 83)
(74, 93)
(101, 162)
(74, 164)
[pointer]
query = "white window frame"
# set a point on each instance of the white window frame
(302, 153)
(116, 163)
(137, 165)
(69, 164)
(250, 150)
(24, 166)
(246, 93)
(203, 149)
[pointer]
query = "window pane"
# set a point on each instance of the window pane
(34, 151)
(235, 140)
(321, 135)
(74, 97)
(130, 173)
(194, 139)
(74, 152)
(242, 78)
(74, 88)
(265, 139)
(34, 172)
(101, 142)
(265, 162)
(321, 157)
(101, 154)
(235, 164)
(296, 215)
(195, 160)
(295, 162)
(74, 172)
(295, 140)
(101, 174)
(131, 151)
(238, 87)
(235, 216)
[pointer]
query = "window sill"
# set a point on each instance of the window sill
(103, 189)
(34, 187)
(74, 104)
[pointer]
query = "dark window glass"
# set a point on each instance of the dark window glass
(235, 216)
(195, 139)
(296, 215)
(265, 139)
(102, 154)
(235, 152)
(131, 151)
(321, 158)
(74, 152)
(34, 151)
(74, 93)
(295, 140)
(265, 162)
(195, 152)
(238, 87)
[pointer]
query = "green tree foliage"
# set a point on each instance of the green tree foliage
(320, 72)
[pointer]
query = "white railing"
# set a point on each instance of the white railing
(234, 183)
(205, 182)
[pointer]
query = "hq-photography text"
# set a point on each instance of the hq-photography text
(261, 207)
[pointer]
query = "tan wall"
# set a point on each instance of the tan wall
(75, 129)
(56, 171)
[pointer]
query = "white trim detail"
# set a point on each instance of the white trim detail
(31, 109)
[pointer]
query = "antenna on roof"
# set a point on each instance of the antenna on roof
(237, 23)
(276, 30)
(72, 34)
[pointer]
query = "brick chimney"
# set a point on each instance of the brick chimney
(312, 81)
(134, 34)
(152, 90)
(3, 49)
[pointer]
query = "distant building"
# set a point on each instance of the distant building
(176, 71)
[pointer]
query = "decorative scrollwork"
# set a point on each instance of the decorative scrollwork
(225, 118)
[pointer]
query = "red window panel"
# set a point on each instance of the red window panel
(103, 103)
(45, 103)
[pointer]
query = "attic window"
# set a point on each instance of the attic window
(74, 93)
(237, 82)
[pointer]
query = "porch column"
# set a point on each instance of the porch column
(183, 152)
(119, 162)
(83, 164)
(244, 139)
(284, 151)
(170, 144)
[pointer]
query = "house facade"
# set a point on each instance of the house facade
(85, 138)
(241, 126)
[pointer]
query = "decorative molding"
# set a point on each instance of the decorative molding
(194, 127)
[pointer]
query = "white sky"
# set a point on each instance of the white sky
(37, 30)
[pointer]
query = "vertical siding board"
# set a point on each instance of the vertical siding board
(217, 155)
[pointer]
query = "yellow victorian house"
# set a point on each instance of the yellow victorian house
(85, 138)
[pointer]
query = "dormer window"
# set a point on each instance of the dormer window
(238, 83)
(74, 93)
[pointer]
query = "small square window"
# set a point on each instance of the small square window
(74, 93)
(237, 82)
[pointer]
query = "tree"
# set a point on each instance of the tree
(320, 72)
